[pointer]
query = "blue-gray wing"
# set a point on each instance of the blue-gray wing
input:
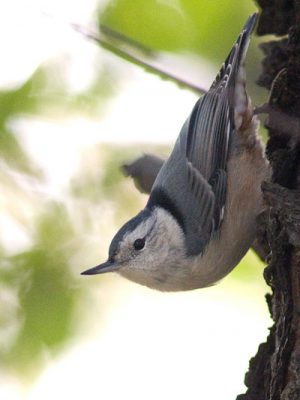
(205, 141)
(193, 181)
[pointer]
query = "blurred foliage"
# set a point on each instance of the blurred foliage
(57, 98)
(44, 92)
(40, 294)
(205, 28)
(14, 103)
(47, 291)
(39, 291)
(186, 25)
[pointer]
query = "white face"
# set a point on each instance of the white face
(152, 251)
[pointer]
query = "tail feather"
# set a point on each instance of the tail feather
(236, 56)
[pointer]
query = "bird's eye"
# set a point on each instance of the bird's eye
(139, 244)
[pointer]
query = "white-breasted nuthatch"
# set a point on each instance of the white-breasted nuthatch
(201, 214)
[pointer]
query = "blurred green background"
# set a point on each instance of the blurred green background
(70, 115)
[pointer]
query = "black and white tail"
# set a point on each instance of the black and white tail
(235, 59)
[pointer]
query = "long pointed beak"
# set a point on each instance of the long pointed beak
(108, 266)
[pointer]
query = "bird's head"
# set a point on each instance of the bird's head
(146, 250)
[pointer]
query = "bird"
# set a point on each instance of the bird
(200, 217)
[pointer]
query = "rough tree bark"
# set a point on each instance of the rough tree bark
(274, 373)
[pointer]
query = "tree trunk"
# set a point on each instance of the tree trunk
(274, 372)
